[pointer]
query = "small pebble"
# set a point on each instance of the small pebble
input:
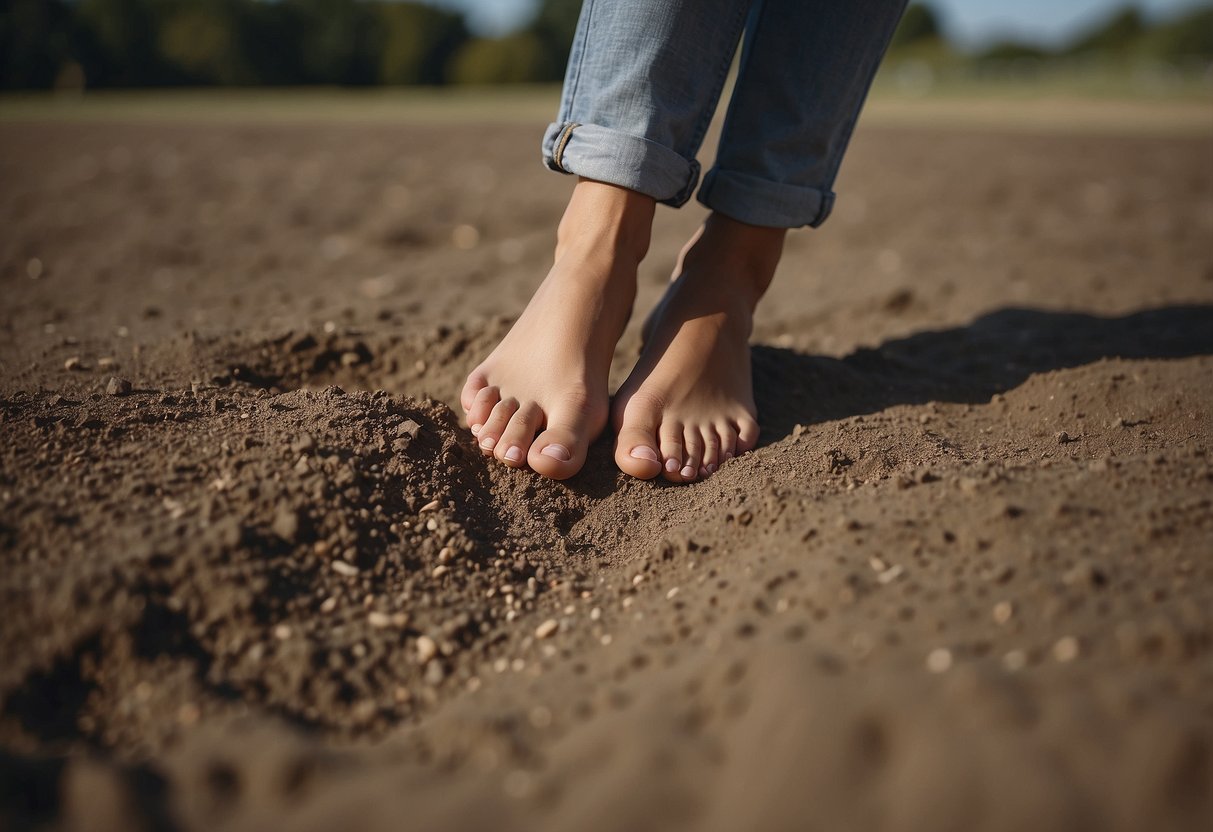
(638, 580)
(118, 386)
(1066, 649)
(432, 505)
(343, 568)
(73, 363)
(379, 620)
(595, 614)
(434, 673)
(1003, 611)
(329, 604)
(286, 524)
(669, 596)
(282, 632)
(440, 570)
(1015, 660)
(547, 628)
(889, 575)
(1084, 574)
(939, 660)
(427, 648)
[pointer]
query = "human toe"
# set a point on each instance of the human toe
(692, 443)
(672, 452)
(711, 451)
(559, 451)
(747, 434)
(519, 432)
(482, 405)
(728, 441)
(476, 381)
(636, 452)
(495, 424)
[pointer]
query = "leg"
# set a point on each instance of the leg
(806, 68)
(805, 71)
(642, 82)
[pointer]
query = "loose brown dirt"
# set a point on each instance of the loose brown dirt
(255, 574)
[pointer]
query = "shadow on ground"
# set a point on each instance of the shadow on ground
(995, 353)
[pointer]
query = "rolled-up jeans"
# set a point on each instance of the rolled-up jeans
(644, 78)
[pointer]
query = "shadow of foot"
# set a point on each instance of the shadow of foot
(993, 354)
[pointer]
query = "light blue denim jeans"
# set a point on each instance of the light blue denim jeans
(644, 78)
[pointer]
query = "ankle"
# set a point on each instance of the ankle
(738, 259)
(758, 247)
(603, 219)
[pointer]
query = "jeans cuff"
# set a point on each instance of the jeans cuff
(621, 159)
(762, 202)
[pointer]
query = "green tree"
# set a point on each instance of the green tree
(202, 40)
(35, 42)
(116, 43)
(514, 59)
(1010, 50)
(1190, 36)
(919, 24)
(553, 26)
(1118, 35)
(338, 41)
(417, 43)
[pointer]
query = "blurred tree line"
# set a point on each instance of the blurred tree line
(1124, 42)
(136, 43)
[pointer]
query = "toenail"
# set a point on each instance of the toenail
(711, 466)
(644, 452)
(688, 472)
(514, 454)
(487, 443)
(671, 465)
(559, 452)
(476, 428)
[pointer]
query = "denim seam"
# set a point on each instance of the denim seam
(561, 143)
(589, 14)
(848, 129)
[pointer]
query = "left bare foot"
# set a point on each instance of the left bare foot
(688, 405)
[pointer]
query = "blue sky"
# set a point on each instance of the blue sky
(970, 22)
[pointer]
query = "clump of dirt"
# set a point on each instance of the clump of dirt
(320, 554)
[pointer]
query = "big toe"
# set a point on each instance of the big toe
(559, 452)
(636, 452)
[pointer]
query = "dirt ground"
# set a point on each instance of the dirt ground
(255, 575)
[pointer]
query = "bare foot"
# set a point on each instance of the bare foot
(688, 405)
(548, 376)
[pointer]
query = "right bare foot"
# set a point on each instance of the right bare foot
(548, 376)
